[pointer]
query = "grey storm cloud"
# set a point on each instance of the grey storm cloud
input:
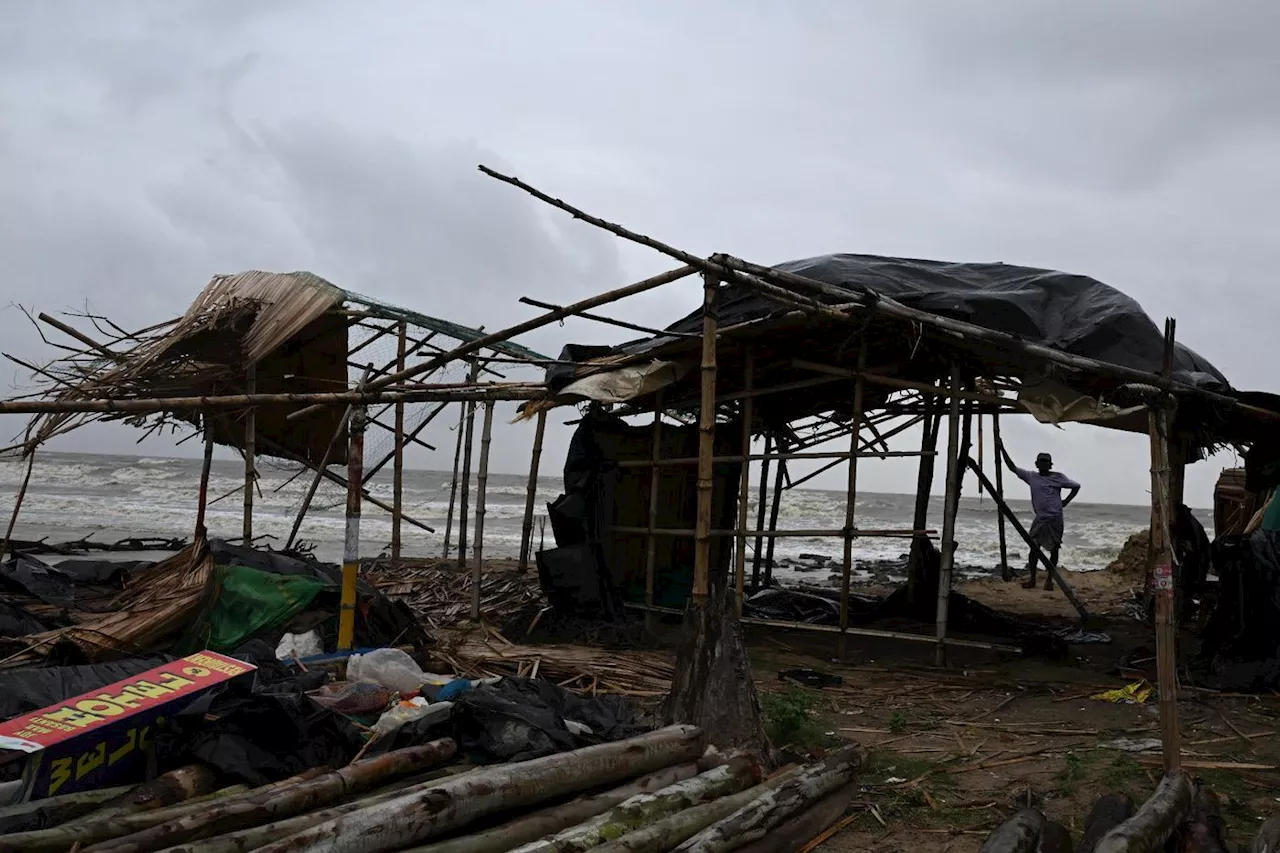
(147, 146)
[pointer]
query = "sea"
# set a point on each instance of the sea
(110, 498)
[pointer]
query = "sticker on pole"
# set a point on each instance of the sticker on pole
(1163, 578)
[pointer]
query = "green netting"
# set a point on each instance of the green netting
(245, 602)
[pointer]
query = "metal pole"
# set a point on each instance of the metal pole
(397, 499)
(351, 544)
(744, 481)
(482, 478)
(531, 492)
(250, 455)
(851, 498)
(949, 514)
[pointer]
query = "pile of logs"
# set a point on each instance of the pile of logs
(655, 793)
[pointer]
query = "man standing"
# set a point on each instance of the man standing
(1047, 503)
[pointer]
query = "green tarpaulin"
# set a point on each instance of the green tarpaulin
(243, 603)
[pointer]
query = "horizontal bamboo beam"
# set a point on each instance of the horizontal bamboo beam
(835, 629)
(759, 457)
(439, 393)
(904, 384)
(681, 532)
(609, 321)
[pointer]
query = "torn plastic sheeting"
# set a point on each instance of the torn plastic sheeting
(247, 603)
(626, 383)
(1051, 402)
(17, 622)
(25, 690)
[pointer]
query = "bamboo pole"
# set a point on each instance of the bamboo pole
(761, 508)
(851, 497)
(369, 473)
(482, 480)
(706, 444)
(202, 501)
(800, 533)
(651, 539)
(609, 321)
(924, 490)
(1163, 571)
(351, 542)
(319, 475)
(1006, 571)
(464, 491)
(949, 513)
(17, 503)
(250, 455)
(531, 492)
(397, 498)
(520, 328)
(744, 481)
(453, 487)
(738, 458)
(776, 507)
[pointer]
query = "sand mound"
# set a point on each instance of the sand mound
(1132, 560)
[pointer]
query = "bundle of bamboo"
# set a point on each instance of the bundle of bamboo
(650, 794)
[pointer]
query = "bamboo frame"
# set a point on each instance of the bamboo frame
(398, 437)
(837, 455)
(706, 443)
(1164, 570)
(250, 455)
(949, 514)
(531, 492)
(482, 480)
(464, 490)
(851, 498)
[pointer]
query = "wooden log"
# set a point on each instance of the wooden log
(482, 482)
(647, 808)
(549, 821)
(1107, 813)
(249, 810)
(1155, 821)
(531, 492)
(796, 832)
(135, 819)
(451, 804)
(766, 812)
(1268, 838)
(56, 810)
(259, 836)
(1019, 834)
(398, 437)
(950, 506)
(1055, 838)
(1164, 578)
(673, 830)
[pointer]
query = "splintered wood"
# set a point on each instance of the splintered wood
(440, 596)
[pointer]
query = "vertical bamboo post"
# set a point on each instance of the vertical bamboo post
(202, 501)
(1162, 570)
(651, 539)
(780, 444)
(761, 508)
(250, 454)
(397, 497)
(482, 479)
(924, 490)
(851, 496)
(351, 542)
(706, 443)
(464, 489)
(1006, 571)
(744, 479)
(17, 501)
(453, 486)
(531, 492)
(950, 507)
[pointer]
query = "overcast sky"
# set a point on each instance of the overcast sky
(146, 145)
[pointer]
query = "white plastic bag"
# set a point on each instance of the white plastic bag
(303, 645)
(391, 668)
(411, 711)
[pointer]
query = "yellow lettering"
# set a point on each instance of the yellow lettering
(149, 690)
(130, 743)
(74, 717)
(101, 707)
(59, 774)
(144, 738)
(196, 671)
(124, 700)
(91, 761)
(174, 682)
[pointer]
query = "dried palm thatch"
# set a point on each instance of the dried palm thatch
(439, 594)
(155, 605)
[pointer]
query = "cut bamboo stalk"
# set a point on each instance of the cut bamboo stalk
(763, 814)
(645, 808)
(531, 492)
(744, 482)
(250, 455)
(706, 444)
(398, 436)
(1163, 573)
(549, 821)
(456, 802)
(651, 538)
(851, 499)
(950, 507)
(482, 480)
(351, 541)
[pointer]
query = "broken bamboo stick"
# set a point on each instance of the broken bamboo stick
(482, 482)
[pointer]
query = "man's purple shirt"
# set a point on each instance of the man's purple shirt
(1046, 491)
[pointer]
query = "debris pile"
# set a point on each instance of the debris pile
(1134, 557)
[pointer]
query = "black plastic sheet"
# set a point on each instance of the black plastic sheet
(1240, 647)
(25, 690)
